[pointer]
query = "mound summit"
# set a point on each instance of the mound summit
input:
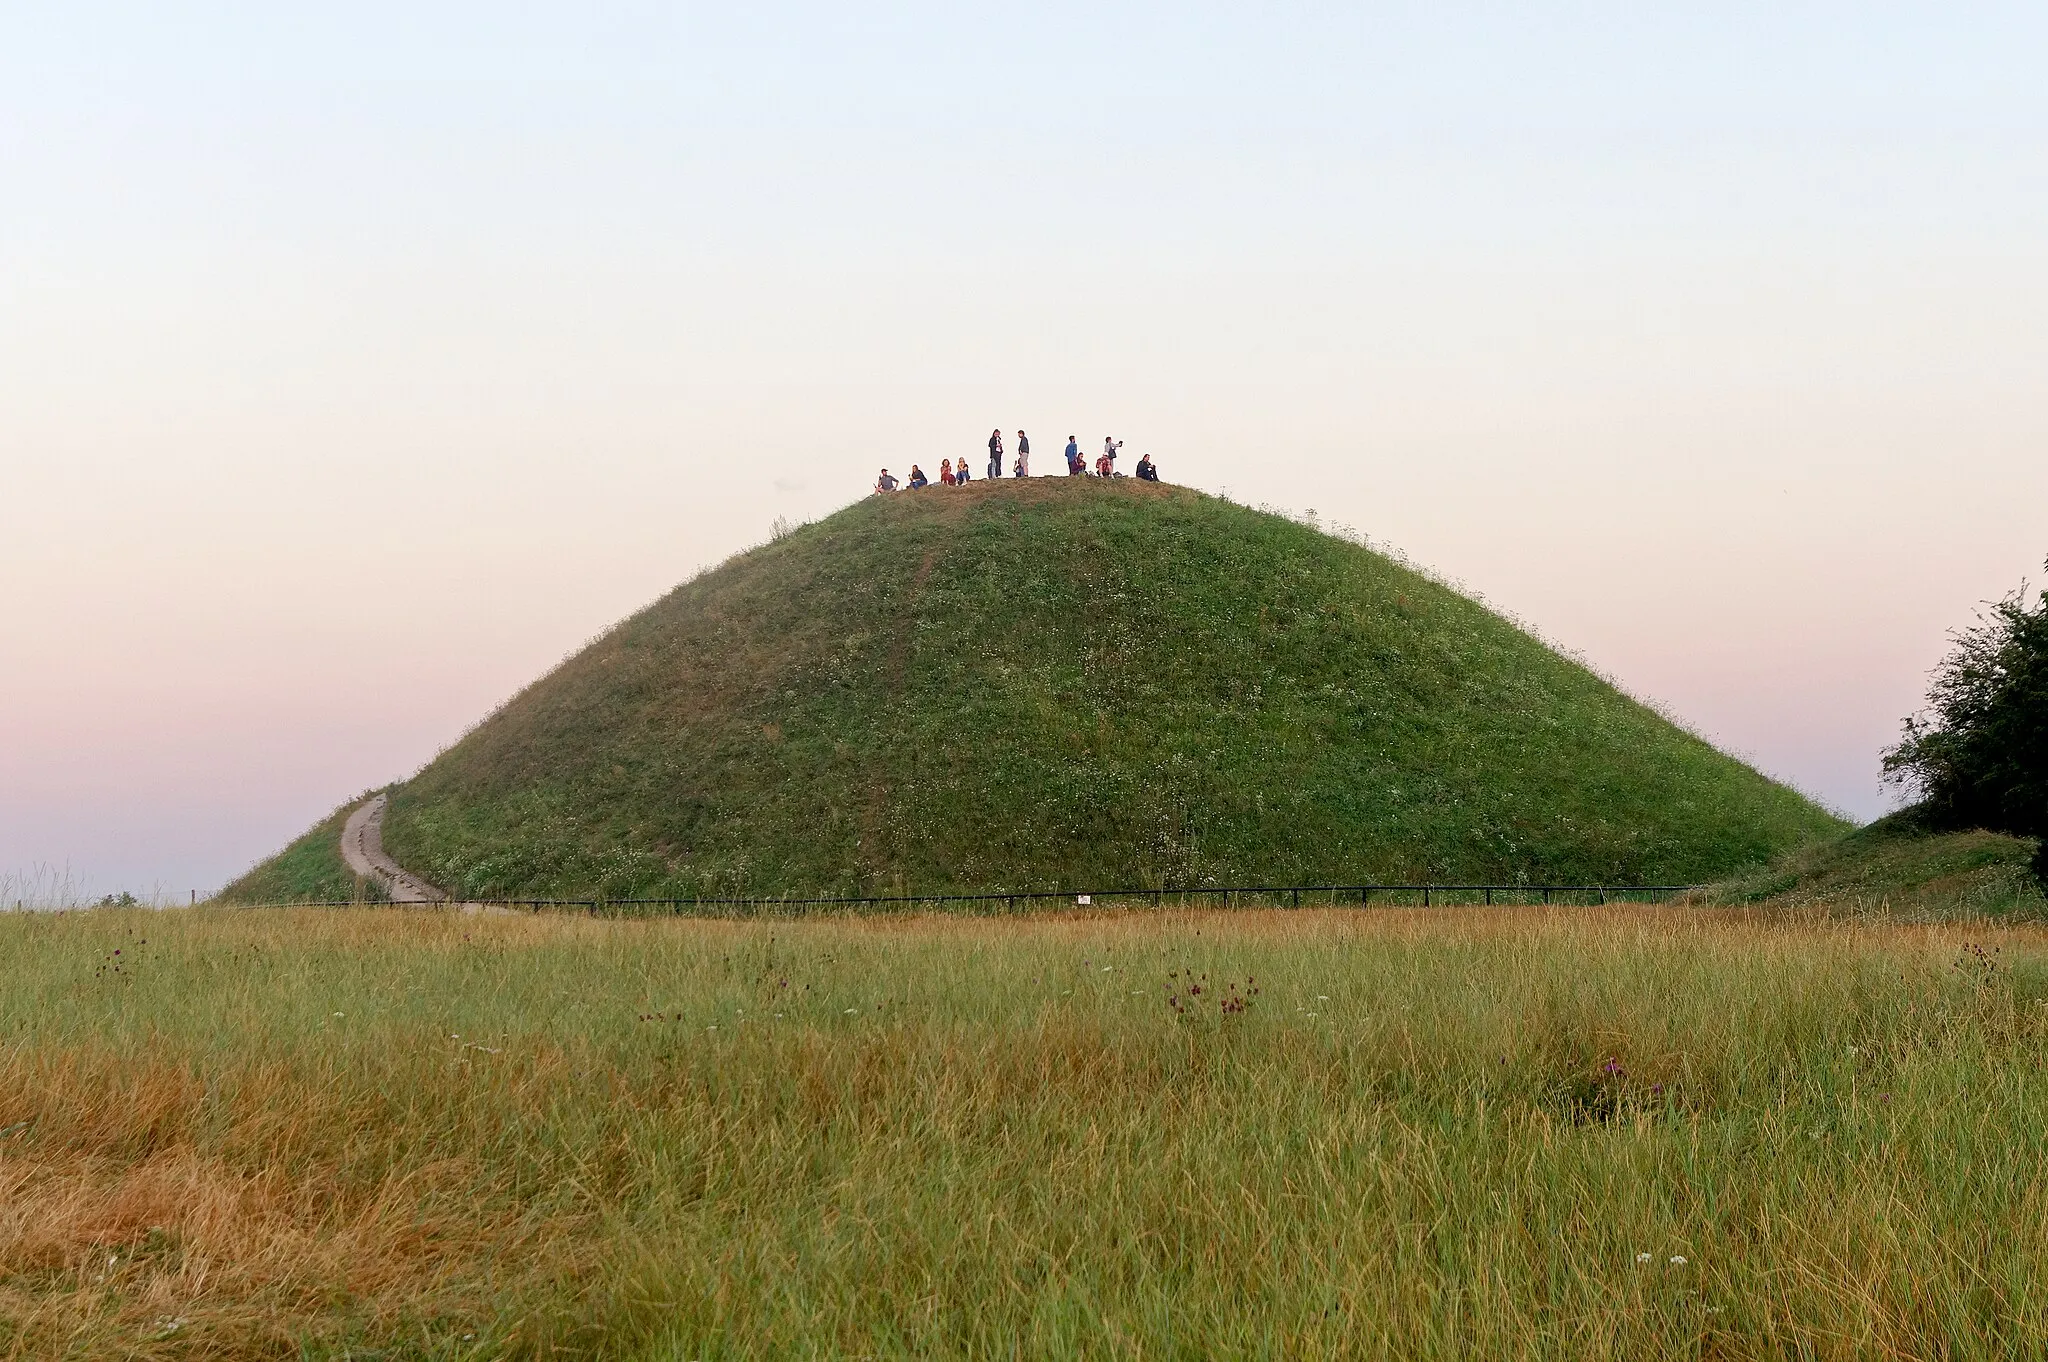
(1067, 683)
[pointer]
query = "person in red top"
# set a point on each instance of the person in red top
(945, 472)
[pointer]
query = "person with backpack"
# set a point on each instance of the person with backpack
(1106, 465)
(995, 452)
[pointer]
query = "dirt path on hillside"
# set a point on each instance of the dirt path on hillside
(362, 846)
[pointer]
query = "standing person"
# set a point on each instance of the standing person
(1074, 464)
(885, 483)
(995, 452)
(1106, 465)
(1023, 455)
(945, 472)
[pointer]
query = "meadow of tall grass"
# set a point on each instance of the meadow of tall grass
(1581, 1132)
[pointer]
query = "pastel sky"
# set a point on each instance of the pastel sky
(356, 366)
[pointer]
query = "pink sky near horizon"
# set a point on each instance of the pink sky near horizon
(339, 399)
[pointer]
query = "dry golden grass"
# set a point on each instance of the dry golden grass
(420, 1134)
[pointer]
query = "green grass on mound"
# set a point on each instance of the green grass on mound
(310, 870)
(1061, 684)
(1896, 867)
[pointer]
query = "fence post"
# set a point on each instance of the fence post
(1425, 896)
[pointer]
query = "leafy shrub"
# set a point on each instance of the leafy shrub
(1979, 755)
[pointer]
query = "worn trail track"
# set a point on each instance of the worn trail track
(362, 846)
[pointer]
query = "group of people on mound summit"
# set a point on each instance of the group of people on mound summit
(1077, 466)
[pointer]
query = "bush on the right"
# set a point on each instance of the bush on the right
(1978, 754)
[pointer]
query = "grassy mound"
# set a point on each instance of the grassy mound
(1073, 684)
(1899, 867)
(310, 870)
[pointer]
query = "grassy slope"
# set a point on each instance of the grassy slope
(1073, 684)
(1444, 1135)
(1896, 868)
(310, 870)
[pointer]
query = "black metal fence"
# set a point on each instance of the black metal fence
(1004, 902)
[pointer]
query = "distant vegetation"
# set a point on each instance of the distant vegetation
(1979, 755)
(1072, 684)
(310, 870)
(1900, 868)
(1621, 1133)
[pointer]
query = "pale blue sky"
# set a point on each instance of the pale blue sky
(1705, 338)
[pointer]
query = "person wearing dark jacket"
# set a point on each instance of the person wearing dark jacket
(917, 477)
(1146, 472)
(1075, 464)
(995, 452)
(1023, 469)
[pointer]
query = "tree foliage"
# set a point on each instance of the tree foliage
(1979, 753)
